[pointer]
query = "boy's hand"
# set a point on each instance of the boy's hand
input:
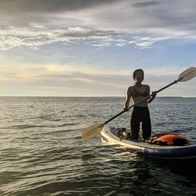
(126, 109)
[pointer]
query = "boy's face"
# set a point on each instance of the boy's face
(139, 76)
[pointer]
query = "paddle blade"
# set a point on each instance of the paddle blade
(92, 131)
(187, 74)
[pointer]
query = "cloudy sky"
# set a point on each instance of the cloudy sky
(91, 47)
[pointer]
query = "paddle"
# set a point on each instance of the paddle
(95, 129)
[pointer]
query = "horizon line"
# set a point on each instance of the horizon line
(106, 96)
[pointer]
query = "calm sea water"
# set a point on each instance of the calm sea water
(42, 153)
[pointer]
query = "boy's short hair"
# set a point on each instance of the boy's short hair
(134, 73)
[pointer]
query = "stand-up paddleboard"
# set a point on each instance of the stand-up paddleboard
(182, 151)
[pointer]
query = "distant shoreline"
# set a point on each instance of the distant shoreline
(179, 97)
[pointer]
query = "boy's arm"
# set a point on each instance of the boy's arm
(128, 97)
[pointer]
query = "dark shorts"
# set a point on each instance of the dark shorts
(140, 115)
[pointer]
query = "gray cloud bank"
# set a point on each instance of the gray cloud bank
(96, 84)
(46, 6)
(142, 23)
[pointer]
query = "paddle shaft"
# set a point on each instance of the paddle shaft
(168, 85)
(141, 101)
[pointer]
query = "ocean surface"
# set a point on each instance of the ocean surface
(42, 153)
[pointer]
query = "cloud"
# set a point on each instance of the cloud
(49, 5)
(143, 23)
(58, 80)
(62, 80)
(37, 36)
(147, 42)
(145, 4)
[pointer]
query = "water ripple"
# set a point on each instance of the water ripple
(42, 154)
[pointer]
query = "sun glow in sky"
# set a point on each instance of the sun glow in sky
(91, 48)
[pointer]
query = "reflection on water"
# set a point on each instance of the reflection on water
(42, 154)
